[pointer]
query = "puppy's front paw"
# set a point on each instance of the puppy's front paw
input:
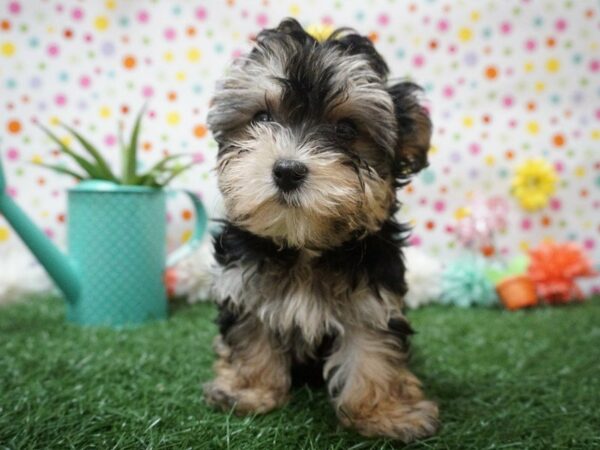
(404, 422)
(243, 401)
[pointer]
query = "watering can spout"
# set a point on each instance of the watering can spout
(57, 264)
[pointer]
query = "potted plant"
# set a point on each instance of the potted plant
(116, 234)
(513, 285)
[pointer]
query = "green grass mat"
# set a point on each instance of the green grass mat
(525, 380)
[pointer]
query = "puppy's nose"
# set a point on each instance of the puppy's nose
(289, 174)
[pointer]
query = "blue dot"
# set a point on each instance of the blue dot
(11, 83)
(34, 42)
(218, 47)
(400, 53)
(123, 21)
(197, 89)
(598, 181)
(63, 76)
(176, 10)
(360, 16)
(538, 21)
(427, 176)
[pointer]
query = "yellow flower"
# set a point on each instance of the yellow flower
(533, 184)
(320, 32)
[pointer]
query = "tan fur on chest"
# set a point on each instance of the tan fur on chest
(304, 299)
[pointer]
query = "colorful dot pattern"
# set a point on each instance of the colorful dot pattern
(504, 82)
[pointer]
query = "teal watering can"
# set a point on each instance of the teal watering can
(116, 237)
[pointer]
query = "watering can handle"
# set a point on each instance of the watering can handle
(198, 234)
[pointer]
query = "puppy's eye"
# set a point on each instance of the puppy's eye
(346, 129)
(262, 116)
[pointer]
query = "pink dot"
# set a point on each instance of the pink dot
(200, 13)
(507, 101)
(14, 7)
(327, 20)
(595, 65)
(443, 25)
(383, 19)
(85, 81)
(439, 205)
(414, 240)
(555, 204)
(474, 148)
(448, 91)
(561, 24)
(597, 114)
(143, 16)
(418, 60)
(198, 157)
(589, 244)
(12, 191)
(262, 20)
(60, 99)
(505, 27)
(77, 14)
(12, 154)
(236, 53)
(530, 45)
(169, 34)
(526, 224)
(147, 91)
(110, 140)
(53, 50)
(559, 166)
(49, 232)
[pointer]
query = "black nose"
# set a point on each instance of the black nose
(288, 174)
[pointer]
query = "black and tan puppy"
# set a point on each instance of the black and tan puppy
(313, 143)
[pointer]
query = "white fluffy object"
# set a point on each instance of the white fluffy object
(21, 275)
(423, 277)
(194, 274)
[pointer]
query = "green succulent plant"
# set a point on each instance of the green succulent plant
(93, 165)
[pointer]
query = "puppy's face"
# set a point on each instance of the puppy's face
(312, 140)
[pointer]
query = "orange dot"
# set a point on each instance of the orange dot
(488, 250)
(200, 131)
(550, 42)
(430, 225)
(129, 62)
(546, 221)
(491, 72)
(531, 106)
(191, 31)
(186, 214)
(14, 126)
(509, 154)
(373, 36)
(172, 96)
(147, 146)
(558, 140)
(5, 25)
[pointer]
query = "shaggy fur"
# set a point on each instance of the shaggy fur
(311, 275)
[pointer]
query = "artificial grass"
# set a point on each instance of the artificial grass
(527, 380)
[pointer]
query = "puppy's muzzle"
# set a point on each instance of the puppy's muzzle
(289, 174)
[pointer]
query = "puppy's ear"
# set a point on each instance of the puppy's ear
(287, 27)
(413, 127)
(355, 44)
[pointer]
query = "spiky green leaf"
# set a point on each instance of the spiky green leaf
(60, 169)
(100, 161)
(129, 176)
(93, 171)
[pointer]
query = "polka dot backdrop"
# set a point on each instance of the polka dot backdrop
(506, 82)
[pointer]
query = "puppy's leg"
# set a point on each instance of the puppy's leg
(373, 391)
(252, 374)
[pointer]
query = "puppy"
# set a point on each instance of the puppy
(313, 143)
